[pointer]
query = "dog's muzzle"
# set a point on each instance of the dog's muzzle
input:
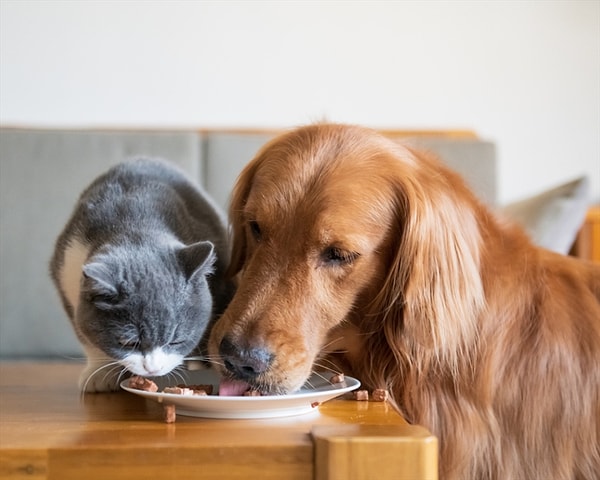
(245, 363)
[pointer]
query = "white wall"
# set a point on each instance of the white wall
(525, 74)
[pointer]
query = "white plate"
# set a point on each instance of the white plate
(316, 391)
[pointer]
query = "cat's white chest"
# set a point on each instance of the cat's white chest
(70, 273)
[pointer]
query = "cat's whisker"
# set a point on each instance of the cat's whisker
(213, 360)
(170, 377)
(196, 357)
(111, 372)
(73, 358)
(178, 374)
(207, 360)
(121, 375)
(111, 365)
(217, 362)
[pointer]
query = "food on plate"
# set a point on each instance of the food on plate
(232, 388)
(141, 383)
(178, 390)
(183, 389)
(203, 395)
(252, 393)
(207, 388)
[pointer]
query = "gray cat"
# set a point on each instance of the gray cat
(140, 271)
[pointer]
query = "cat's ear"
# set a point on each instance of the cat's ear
(197, 258)
(99, 285)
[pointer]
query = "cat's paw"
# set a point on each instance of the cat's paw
(95, 380)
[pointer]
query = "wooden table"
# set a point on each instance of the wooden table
(49, 431)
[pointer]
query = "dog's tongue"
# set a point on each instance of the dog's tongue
(232, 388)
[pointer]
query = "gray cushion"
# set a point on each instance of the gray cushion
(41, 175)
(473, 159)
(553, 218)
(226, 155)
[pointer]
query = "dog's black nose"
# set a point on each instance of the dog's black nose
(245, 363)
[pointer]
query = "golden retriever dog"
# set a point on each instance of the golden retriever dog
(351, 248)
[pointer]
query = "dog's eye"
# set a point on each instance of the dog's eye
(255, 230)
(337, 256)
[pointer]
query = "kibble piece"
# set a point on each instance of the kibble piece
(252, 393)
(141, 383)
(170, 414)
(338, 378)
(206, 388)
(361, 395)
(380, 395)
(183, 389)
(179, 390)
(176, 390)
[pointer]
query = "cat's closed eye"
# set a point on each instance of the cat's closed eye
(128, 343)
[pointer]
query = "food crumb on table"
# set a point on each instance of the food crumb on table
(380, 395)
(361, 395)
(170, 413)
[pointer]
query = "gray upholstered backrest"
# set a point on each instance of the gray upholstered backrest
(474, 159)
(41, 175)
(42, 172)
(225, 155)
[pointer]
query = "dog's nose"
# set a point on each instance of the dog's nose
(244, 363)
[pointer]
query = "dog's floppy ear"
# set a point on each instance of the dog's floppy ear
(433, 293)
(239, 196)
(275, 147)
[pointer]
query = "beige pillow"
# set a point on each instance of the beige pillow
(553, 218)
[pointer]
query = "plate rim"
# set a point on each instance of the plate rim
(343, 388)
(249, 407)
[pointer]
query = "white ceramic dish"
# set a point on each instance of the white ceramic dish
(316, 391)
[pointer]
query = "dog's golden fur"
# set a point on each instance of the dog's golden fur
(354, 249)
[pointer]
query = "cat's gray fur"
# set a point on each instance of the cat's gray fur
(140, 271)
